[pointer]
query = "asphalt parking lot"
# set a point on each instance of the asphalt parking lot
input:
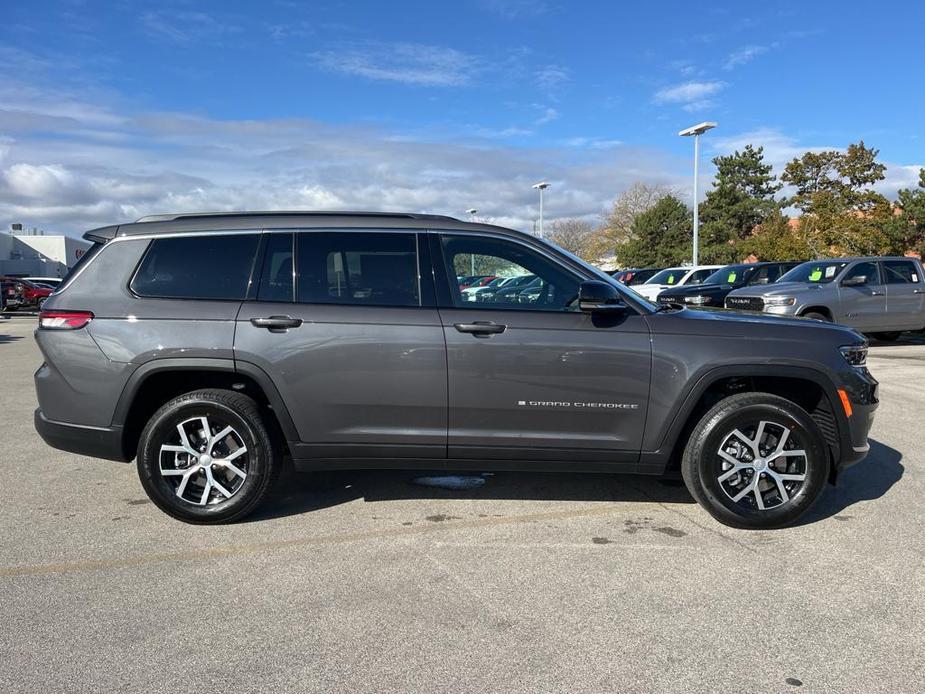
(535, 582)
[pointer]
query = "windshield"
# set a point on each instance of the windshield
(731, 274)
(670, 276)
(814, 272)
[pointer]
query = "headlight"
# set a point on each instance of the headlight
(779, 301)
(698, 300)
(855, 355)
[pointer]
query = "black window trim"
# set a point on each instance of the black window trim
(298, 231)
(214, 232)
(444, 292)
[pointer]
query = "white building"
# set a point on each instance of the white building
(32, 253)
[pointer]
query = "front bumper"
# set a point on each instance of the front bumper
(96, 442)
(863, 392)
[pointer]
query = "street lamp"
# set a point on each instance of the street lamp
(697, 131)
(541, 186)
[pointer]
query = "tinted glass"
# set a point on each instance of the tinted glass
(640, 276)
(814, 272)
(900, 272)
(865, 269)
(550, 288)
(699, 276)
(731, 274)
(670, 276)
(276, 276)
(372, 269)
(197, 267)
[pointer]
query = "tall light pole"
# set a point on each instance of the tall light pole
(697, 131)
(472, 212)
(541, 186)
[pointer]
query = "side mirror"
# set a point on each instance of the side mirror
(856, 281)
(599, 297)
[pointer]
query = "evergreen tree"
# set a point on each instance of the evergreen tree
(741, 199)
(661, 236)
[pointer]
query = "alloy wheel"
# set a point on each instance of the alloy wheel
(762, 466)
(205, 462)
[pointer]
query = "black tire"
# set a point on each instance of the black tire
(222, 408)
(890, 336)
(817, 316)
(702, 464)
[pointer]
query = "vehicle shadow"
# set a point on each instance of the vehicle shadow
(905, 340)
(868, 480)
(9, 338)
(297, 493)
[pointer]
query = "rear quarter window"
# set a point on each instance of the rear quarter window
(197, 267)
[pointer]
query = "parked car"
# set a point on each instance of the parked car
(51, 282)
(353, 347)
(634, 276)
(674, 277)
(473, 292)
(880, 296)
(512, 285)
(510, 294)
(475, 281)
(714, 289)
(21, 293)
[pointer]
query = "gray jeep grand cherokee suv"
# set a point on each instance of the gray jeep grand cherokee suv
(209, 346)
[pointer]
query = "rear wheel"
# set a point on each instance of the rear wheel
(756, 460)
(206, 457)
(890, 336)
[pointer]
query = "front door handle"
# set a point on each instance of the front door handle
(480, 328)
(875, 293)
(276, 324)
(918, 291)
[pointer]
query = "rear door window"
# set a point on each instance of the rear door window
(213, 266)
(362, 268)
(901, 272)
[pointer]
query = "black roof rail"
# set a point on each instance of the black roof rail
(283, 213)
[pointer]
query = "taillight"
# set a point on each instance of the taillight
(64, 320)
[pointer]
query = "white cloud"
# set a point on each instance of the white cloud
(743, 56)
(174, 162)
(688, 92)
(552, 77)
(186, 26)
(410, 63)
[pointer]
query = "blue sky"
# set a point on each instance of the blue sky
(112, 110)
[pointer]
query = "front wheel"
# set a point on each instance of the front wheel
(756, 460)
(206, 457)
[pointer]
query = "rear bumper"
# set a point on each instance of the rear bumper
(96, 442)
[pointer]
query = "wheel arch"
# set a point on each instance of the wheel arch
(154, 383)
(810, 388)
(824, 310)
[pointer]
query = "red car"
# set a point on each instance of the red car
(20, 293)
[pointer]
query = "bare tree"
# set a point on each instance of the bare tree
(577, 236)
(617, 225)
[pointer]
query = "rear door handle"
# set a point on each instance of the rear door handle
(873, 293)
(276, 324)
(480, 328)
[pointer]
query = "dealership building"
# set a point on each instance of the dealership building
(33, 253)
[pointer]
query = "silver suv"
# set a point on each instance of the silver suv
(211, 347)
(880, 296)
